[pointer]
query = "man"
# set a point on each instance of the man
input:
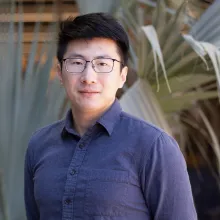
(99, 162)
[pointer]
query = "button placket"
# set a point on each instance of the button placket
(72, 172)
(67, 205)
(84, 140)
(71, 182)
(68, 201)
(82, 145)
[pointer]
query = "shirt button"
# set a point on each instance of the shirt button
(72, 172)
(81, 146)
(67, 201)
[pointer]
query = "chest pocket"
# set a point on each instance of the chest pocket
(106, 193)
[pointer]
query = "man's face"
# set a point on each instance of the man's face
(89, 90)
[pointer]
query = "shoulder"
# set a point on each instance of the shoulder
(46, 133)
(41, 140)
(143, 129)
(148, 137)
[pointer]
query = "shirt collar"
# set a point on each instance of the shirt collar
(107, 120)
(68, 124)
(110, 117)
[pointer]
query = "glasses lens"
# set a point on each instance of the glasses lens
(75, 65)
(103, 65)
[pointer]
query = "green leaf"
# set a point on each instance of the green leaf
(184, 101)
(184, 83)
(152, 37)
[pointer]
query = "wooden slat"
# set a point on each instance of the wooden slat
(33, 17)
(27, 8)
(31, 12)
(28, 37)
(27, 47)
(46, 1)
(30, 15)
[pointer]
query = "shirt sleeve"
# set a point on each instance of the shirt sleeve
(165, 182)
(32, 212)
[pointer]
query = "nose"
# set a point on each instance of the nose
(89, 76)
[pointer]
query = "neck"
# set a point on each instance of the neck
(83, 120)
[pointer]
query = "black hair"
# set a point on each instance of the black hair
(89, 26)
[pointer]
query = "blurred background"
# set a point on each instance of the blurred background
(173, 82)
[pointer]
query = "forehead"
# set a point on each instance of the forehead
(93, 48)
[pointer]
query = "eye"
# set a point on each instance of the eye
(102, 64)
(74, 62)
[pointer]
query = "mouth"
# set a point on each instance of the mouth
(86, 93)
(89, 92)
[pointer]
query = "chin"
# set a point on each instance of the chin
(88, 106)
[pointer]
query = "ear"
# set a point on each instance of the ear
(59, 73)
(124, 73)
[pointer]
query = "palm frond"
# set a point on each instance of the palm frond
(151, 34)
(203, 49)
(177, 57)
(141, 102)
(207, 31)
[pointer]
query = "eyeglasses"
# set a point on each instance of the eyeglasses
(100, 65)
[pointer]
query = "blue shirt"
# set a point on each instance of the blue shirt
(122, 168)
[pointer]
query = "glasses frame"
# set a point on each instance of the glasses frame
(91, 61)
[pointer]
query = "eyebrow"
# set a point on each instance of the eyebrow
(72, 55)
(75, 55)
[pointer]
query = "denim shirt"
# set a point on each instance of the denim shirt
(122, 168)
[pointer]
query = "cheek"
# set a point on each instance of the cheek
(70, 80)
(70, 84)
(110, 82)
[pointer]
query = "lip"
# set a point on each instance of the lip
(88, 91)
